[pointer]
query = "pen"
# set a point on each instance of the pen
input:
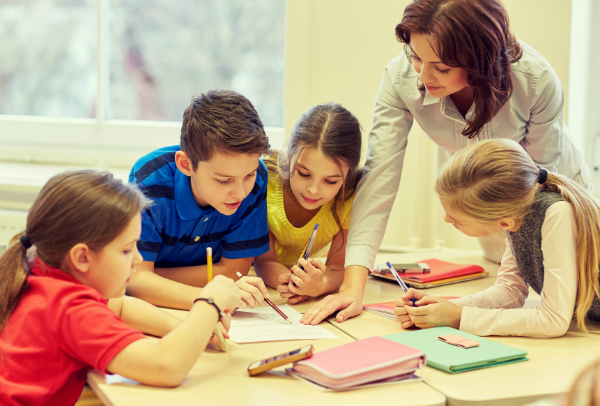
(308, 246)
(209, 263)
(401, 282)
(282, 314)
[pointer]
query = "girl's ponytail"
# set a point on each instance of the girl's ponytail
(587, 220)
(13, 274)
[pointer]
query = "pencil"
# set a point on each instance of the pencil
(400, 282)
(282, 314)
(209, 263)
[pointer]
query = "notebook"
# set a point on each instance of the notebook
(440, 271)
(453, 359)
(359, 362)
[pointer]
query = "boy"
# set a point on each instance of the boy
(208, 192)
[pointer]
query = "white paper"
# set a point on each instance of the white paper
(265, 324)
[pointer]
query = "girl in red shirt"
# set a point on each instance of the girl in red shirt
(63, 312)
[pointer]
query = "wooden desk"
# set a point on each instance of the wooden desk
(222, 379)
(552, 366)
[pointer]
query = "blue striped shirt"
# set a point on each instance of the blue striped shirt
(176, 231)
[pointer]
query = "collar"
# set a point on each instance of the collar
(429, 99)
(186, 205)
(40, 268)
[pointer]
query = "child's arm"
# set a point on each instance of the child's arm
(168, 361)
(143, 316)
(267, 267)
(178, 287)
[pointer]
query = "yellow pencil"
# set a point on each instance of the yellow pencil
(209, 263)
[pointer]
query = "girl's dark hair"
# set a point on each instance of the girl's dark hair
(85, 206)
(473, 35)
(334, 131)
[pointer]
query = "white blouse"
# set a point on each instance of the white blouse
(533, 116)
(498, 310)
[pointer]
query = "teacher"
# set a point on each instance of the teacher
(464, 78)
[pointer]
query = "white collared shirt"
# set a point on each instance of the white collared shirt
(533, 116)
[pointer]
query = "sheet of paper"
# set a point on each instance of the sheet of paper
(265, 324)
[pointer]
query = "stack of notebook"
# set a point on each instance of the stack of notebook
(441, 273)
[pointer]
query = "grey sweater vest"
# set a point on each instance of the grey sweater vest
(526, 246)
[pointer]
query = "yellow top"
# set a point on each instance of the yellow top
(289, 240)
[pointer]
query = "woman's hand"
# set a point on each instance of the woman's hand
(433, 311)
(253, 291)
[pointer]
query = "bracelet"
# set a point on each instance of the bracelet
(211, 301)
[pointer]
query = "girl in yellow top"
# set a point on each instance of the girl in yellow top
(312, 182)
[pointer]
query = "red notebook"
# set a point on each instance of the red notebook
(438, 270)
(359, 362)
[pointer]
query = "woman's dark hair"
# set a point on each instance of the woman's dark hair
(473, 35)
(336, 132)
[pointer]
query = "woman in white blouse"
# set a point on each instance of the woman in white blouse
(464, 78)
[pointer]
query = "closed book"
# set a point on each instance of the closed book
(454, 359)
(438, 270)
(360, 362)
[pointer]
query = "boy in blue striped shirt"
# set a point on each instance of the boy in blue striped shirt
(209, 191)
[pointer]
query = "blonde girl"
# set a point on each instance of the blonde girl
(64, 313)
(552, 228)
(312, 182)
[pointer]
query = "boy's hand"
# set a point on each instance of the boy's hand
(308, 281)
(404, 300)
(252, 290)
(434, 312)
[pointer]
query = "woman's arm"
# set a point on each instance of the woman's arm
(546, 140)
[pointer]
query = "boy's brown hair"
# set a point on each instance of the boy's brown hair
(221, 121)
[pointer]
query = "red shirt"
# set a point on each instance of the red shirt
(60, 330)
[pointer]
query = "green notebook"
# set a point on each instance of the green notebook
(453, 359)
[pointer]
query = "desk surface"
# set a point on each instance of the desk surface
(222, 378)
(553, 363)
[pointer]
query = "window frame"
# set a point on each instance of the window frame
(98, 142)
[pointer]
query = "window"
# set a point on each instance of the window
(101, 82)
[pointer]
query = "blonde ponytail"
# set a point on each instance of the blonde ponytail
(587, 220)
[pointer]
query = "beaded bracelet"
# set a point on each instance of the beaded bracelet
(211, 301)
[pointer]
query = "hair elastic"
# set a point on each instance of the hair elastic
(543, 175)
(25, 241)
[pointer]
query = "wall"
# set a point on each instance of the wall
(337, 50)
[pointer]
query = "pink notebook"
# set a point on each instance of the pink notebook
(359, 362)
(442, 270)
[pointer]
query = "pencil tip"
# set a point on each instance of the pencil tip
(288, 320)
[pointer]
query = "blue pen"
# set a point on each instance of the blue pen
(401, 282)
